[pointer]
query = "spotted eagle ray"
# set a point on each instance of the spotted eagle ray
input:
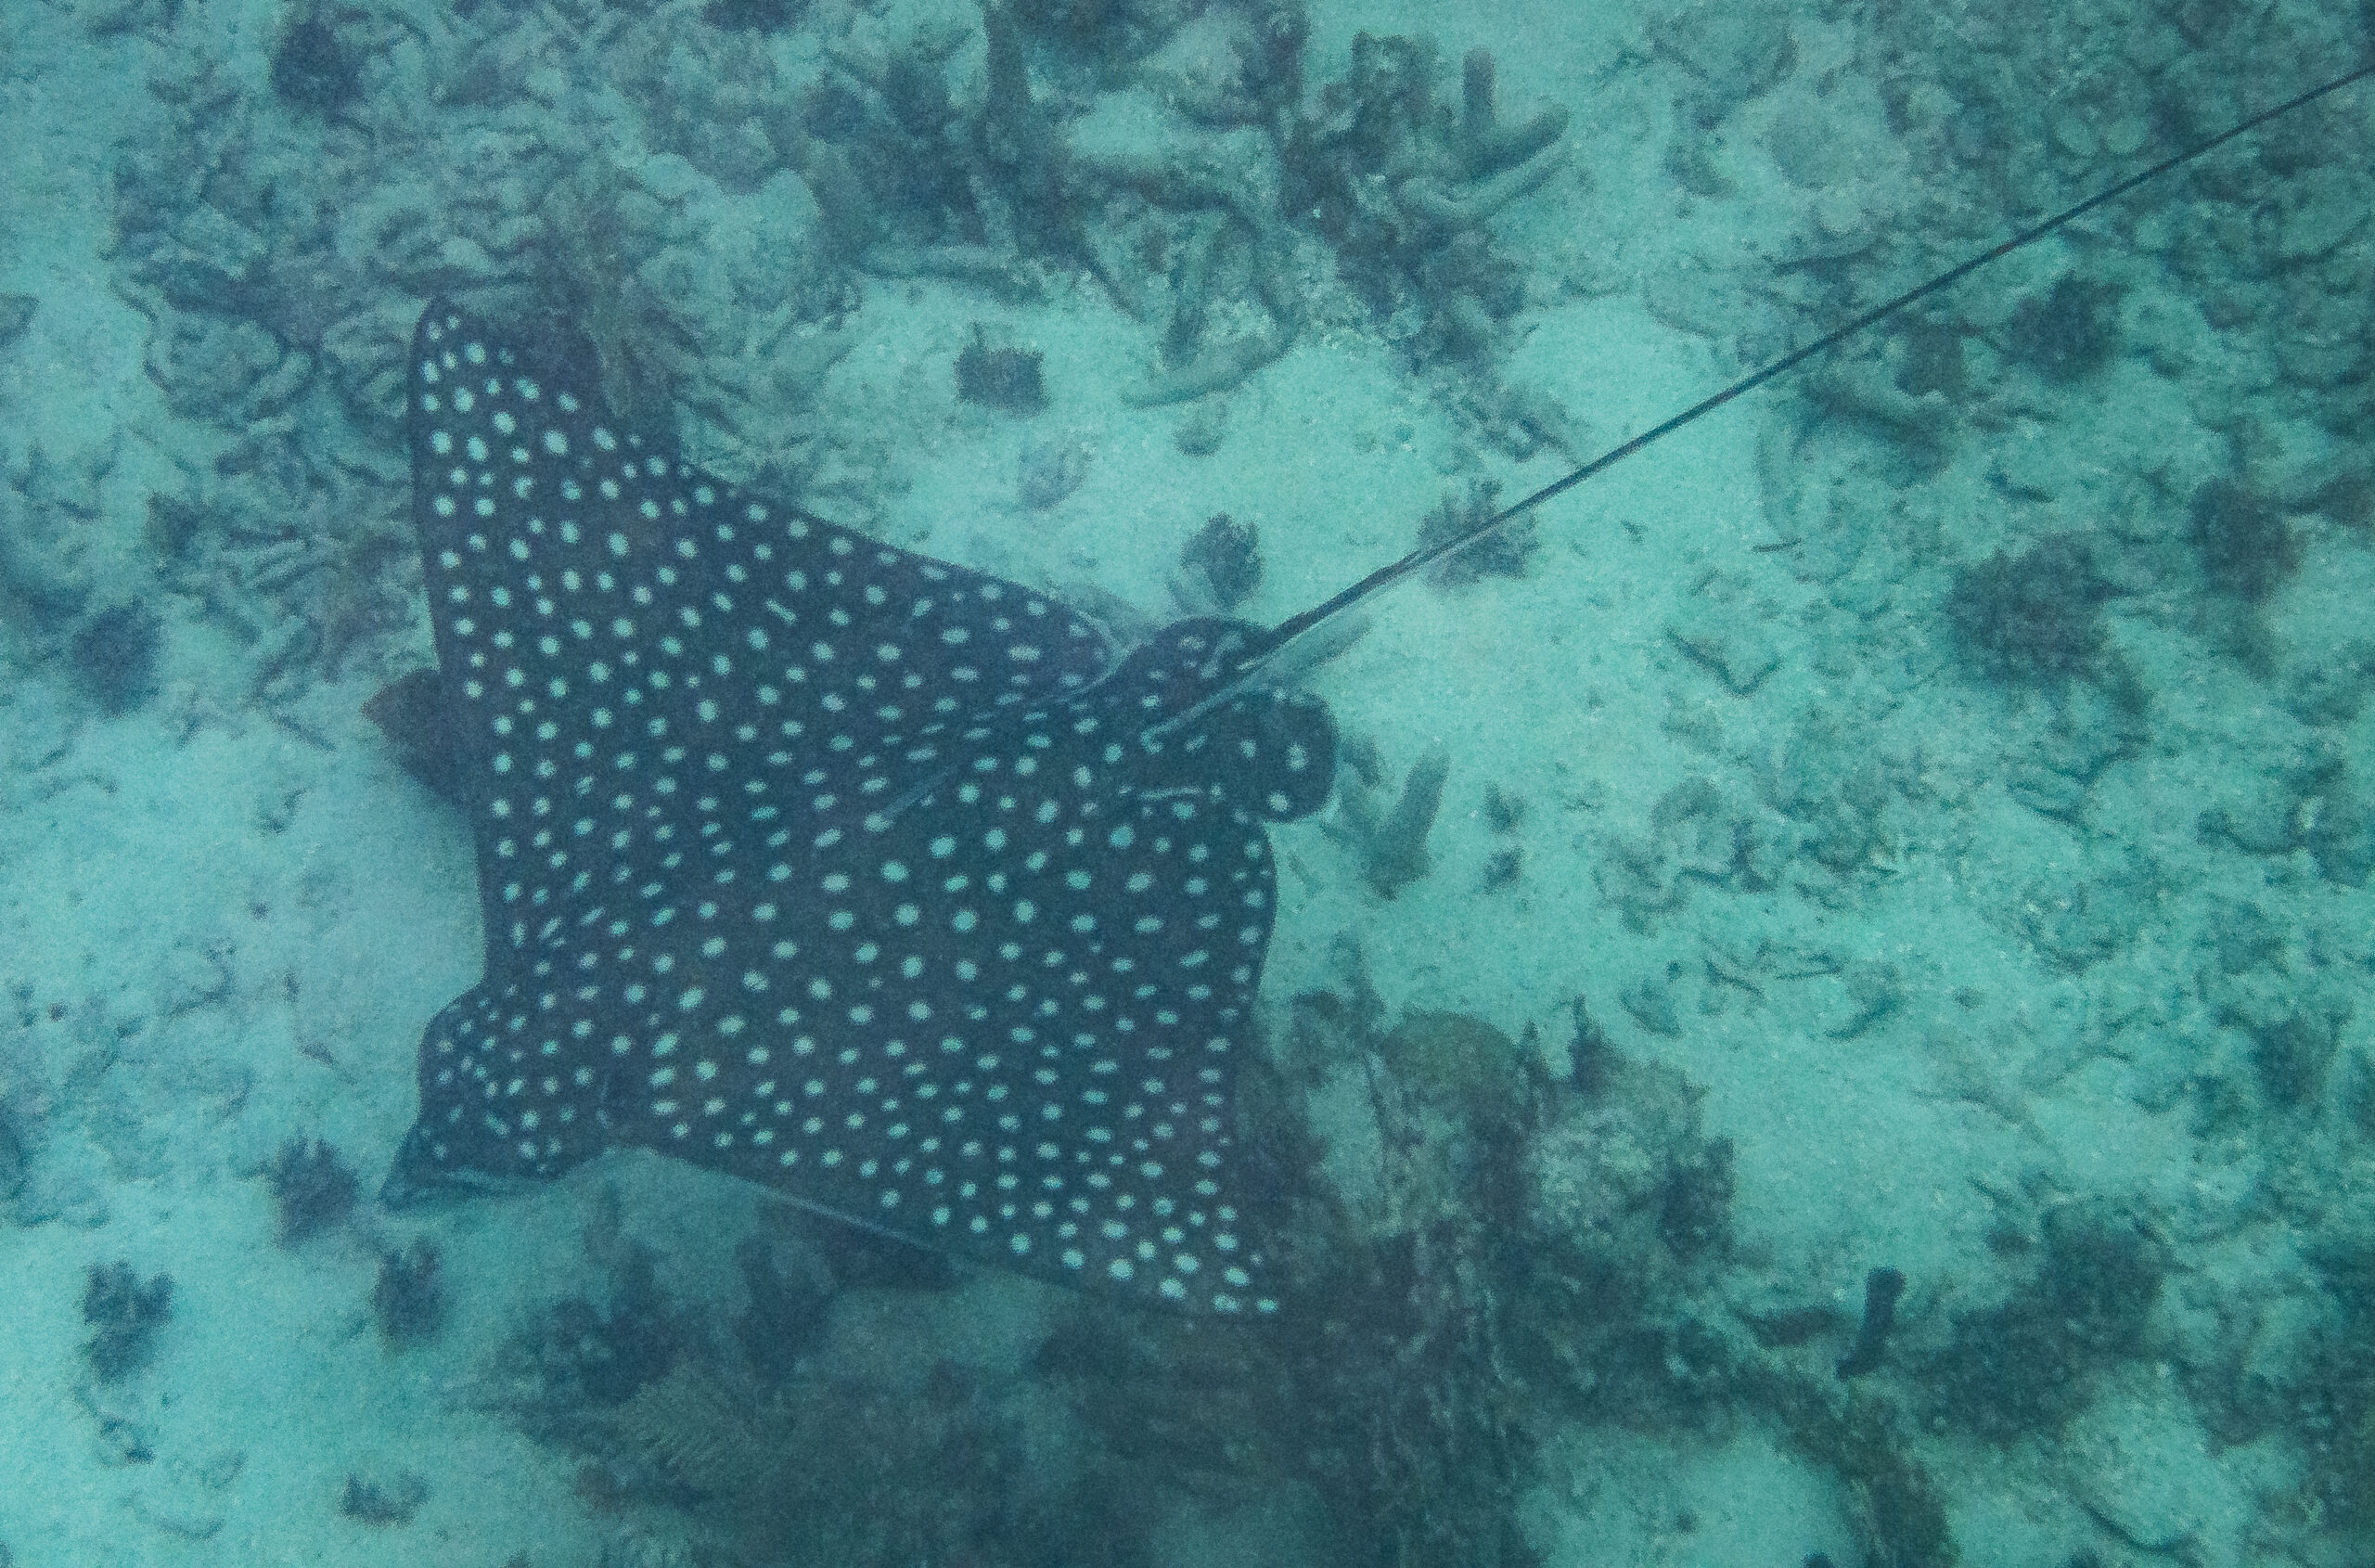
(892, 886)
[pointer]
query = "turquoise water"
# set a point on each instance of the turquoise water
(1823, 1018)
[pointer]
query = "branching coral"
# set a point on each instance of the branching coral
(600, 228)
(1404, 184)
(311, 1188)
(909, 182)
(1388, 1395)
(1391, 843)
(1214, 239)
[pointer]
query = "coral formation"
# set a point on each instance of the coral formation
(1391, 845)
(910, 183)
(1504, 814)
(14, 1155)
(1697, 836)
(577, 1354)
(408, 1297)
(2333, 689)
(1695, 1200)
(753, 16)
(1465, 1066)
(1203, 426)
(1898, 1512)
(16, 315)
(372, 1499)
(115, 651)
(1390, 1396)
(2034, 619)
(1000, 375)
(2067, 333)
(2331, 1387)
(2023, 1366)
(2316, 806)
(1220, 566)
(311, 1188)
(1884, 1288)
(1403, 183)
(703, 211)
(747, 1445)
(126, 1315)
(2246, 547)
(787, 1301)
(1503, 553)
(313, 70)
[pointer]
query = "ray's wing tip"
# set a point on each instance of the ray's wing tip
(439, 316)
(410, 1182)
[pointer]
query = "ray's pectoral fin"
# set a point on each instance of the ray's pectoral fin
(495, 1111)
(1292, 753)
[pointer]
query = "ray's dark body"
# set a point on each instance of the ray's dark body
(850, 872)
